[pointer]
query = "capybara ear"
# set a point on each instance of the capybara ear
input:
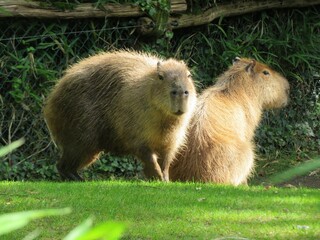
(250, 66)
(158, 71)
(235, 60)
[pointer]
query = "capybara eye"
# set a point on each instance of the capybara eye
(174, 92)
(189, 76)
(186, 93)
(160, 77)
(265, 72)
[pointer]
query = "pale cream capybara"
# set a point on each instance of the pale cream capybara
(123, 102)
(220, 147)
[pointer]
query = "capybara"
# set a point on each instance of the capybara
(219, 146)
(122, 102)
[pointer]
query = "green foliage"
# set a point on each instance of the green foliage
(159, 11)
(13, 221)
(151, 7)
(4, 12)
(110, 166)
(105, 231)
(33, 54)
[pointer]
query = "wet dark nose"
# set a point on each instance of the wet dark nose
(180, 93)
(179, 112)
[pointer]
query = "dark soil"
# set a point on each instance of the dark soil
(266, 168)
(311, 181)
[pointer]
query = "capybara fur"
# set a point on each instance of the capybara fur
(219, 146)
(122, 102)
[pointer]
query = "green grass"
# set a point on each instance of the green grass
(168, 211)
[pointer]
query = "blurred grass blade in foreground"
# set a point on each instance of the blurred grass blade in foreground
(13, 221)
(296, 171)
(9, 148)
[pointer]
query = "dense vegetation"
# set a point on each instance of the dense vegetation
(34, 53)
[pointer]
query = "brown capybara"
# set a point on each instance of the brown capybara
(219, 146)
(123, 102)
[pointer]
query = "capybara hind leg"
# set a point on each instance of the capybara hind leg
(151, 168)
(68, 166)
(71, 162)
(68, 175)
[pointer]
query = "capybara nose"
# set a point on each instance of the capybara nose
(174, 93)
(180, 93)
(179, 112)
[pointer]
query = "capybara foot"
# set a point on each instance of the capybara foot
(153, 177)
(165, 177)
(69, 176)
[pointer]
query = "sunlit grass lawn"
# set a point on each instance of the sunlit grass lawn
(168, 211)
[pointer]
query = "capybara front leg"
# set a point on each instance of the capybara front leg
(165, 166)
(151, 168)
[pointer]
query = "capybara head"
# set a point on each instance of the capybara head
(271, 86)
(174, 92)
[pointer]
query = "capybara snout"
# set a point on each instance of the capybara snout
(179, 99)
(178, 85)
(273, 87)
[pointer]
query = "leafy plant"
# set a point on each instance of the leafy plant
(13, 221)
(105, 231)
(108, 230)
(151, 7)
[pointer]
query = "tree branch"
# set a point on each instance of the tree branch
(235, 8)
(27, 8)
(179, 17)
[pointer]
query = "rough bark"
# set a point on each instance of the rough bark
(235, 8)
(25, 8)
(179, 17)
